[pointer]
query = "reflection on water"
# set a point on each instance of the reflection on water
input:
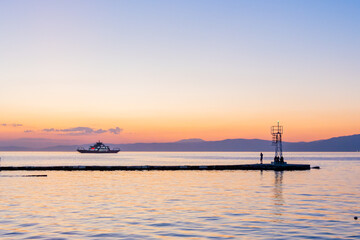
(182, 204)
(278, 194)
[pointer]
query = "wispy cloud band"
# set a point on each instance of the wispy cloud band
(11, 125)
(83, 130)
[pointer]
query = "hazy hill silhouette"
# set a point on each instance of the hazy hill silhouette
(339, 144)
(336, 144)
(227, 145)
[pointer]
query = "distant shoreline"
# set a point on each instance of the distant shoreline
(336, 144)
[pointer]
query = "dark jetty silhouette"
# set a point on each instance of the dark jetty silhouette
(32, 175)
(274, 167)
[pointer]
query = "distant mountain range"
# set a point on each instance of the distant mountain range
(337, 144)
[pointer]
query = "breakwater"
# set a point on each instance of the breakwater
(273, 167)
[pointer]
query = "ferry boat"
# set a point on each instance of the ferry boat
(99, 147)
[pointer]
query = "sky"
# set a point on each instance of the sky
(161, 71)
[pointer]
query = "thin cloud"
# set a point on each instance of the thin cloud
(28, 131)
(116, 130)
(76, 131)
(99, 131)
(49, 130)
(11, 125)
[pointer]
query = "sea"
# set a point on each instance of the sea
(314, 204)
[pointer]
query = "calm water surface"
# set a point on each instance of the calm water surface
(315, 204)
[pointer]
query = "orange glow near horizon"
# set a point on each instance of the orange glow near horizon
(169, 129)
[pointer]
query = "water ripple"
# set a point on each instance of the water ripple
(316, 204)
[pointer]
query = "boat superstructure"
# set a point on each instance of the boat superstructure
(99, 147)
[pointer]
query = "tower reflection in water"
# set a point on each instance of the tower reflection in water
(278, 193)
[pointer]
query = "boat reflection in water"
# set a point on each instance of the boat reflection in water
(99, 147)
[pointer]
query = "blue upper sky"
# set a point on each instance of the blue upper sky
(250, 61)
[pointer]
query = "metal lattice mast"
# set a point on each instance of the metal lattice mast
(280, 146)
(276, 132)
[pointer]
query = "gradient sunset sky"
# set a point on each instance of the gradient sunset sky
(158, 71)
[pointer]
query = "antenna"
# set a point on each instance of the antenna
(276, 132)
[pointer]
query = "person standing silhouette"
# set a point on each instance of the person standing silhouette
(261, 158)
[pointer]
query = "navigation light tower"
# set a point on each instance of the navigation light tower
(276, 132)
